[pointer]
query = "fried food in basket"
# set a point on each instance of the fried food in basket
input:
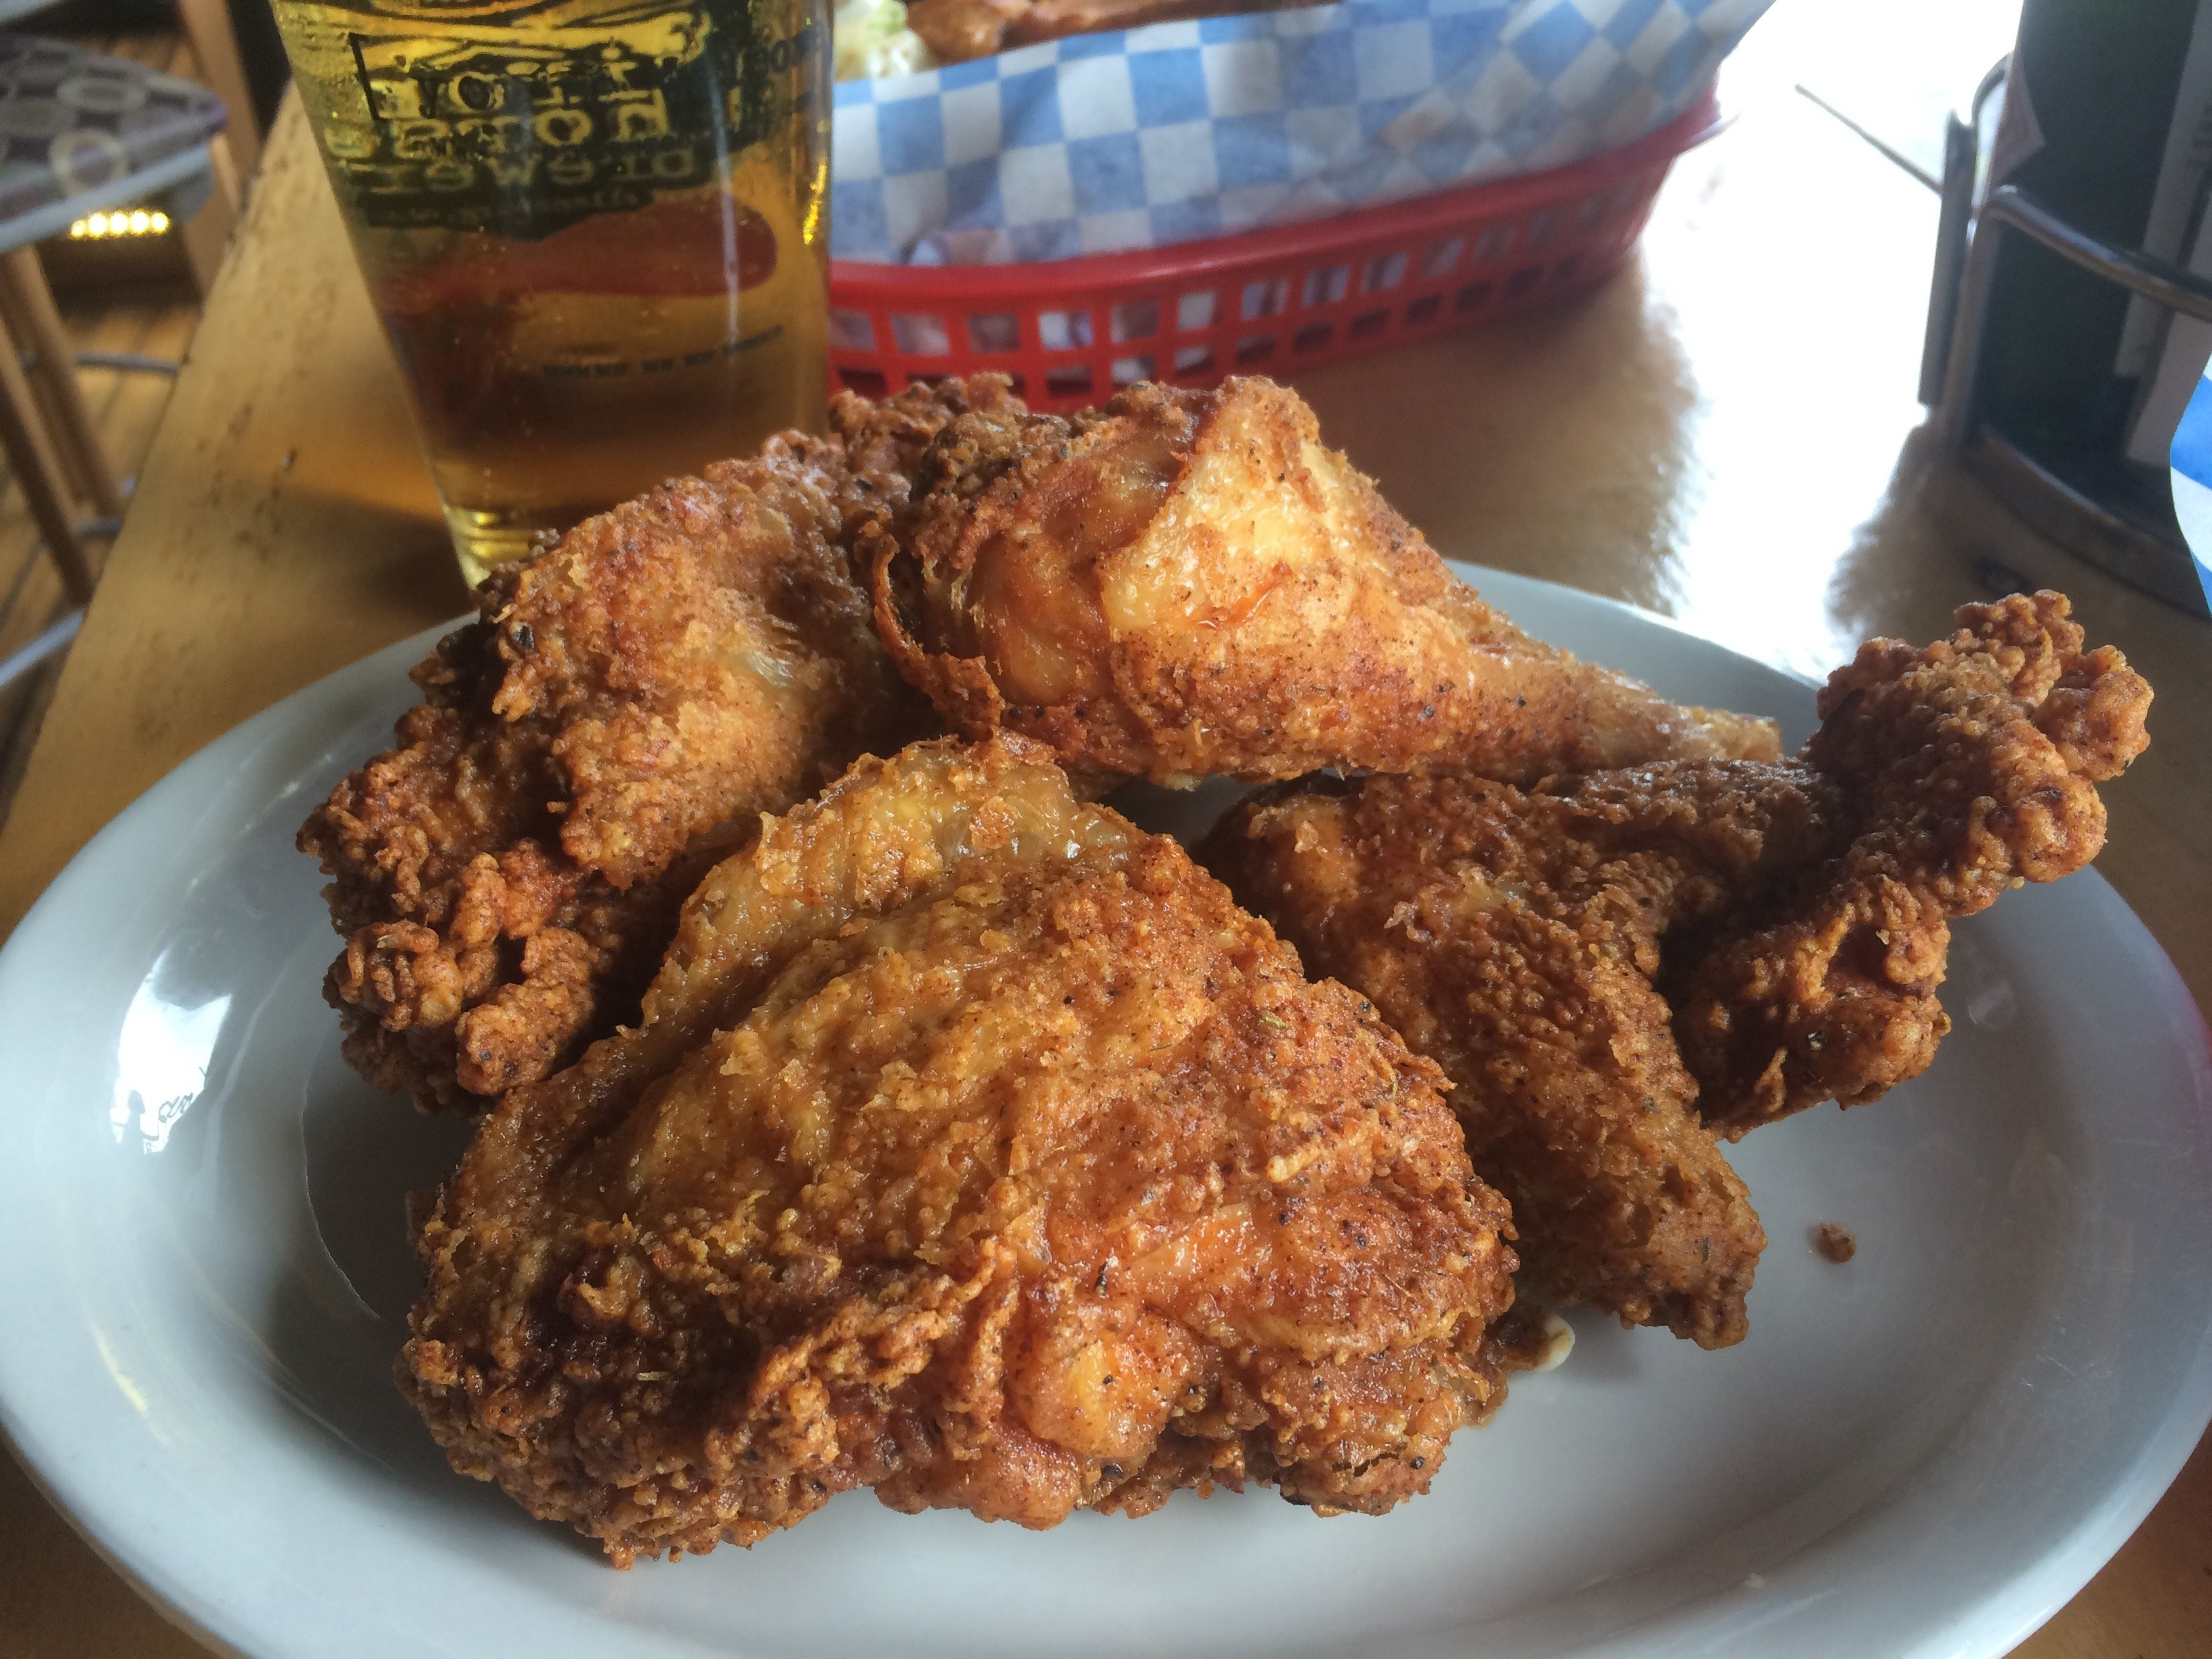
(626, 704)
(956, 30)
(1189, 582)
(974, 1148)
(1617, 966)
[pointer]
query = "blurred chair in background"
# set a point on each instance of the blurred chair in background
(82, 133)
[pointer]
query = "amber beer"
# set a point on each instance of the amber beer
(595, 230)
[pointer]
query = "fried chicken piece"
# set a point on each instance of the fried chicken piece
(628, 702)
(975, 1148)
(1615, 967)
(958, 30)
(1519, 958)
(1187, 582)
(955, 31)
(883, 442)
(1964, 768)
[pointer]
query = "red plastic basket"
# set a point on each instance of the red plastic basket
(1070, 331)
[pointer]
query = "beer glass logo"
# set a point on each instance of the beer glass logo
(524, 133)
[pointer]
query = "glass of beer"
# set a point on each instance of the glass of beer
(595, 230)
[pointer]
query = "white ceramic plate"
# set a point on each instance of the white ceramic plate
(1924, 1452)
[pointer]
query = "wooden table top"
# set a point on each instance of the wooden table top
(1725, 433)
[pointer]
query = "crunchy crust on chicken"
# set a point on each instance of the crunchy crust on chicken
(884, 440)
(974, 1147)
(1189, 582)
(1618, 965)
(1503, 945)
(1962, 767)
(627, 703)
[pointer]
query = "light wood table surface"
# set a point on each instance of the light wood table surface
(1725, 433)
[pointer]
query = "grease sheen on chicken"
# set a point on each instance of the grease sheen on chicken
(1189, 582)
(1618, 966)
(974, 1147)
(627, 701)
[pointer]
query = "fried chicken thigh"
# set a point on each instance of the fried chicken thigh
(1501, 943)
(1617, 966)
(627, 703)
(975, 1148)
(1189, 582)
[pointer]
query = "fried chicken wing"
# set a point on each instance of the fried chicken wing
(1964, 768)
(1616, 966)
(627, 703)
(1189, 582)
(975, 1148)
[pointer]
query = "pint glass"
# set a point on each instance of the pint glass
(594, 229)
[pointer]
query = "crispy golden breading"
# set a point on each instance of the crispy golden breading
(975, 1148)
(477, 950)
(630, 699)
(1519, 957)
(1965, 768)
(884, 441)
(1617, 966)
(1187, 582)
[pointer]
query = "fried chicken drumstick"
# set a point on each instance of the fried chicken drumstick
(974, 1147)
(626, 703)
(1617, 966)
(1189, 582)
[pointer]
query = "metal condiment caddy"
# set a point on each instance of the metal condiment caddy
(2130, 532)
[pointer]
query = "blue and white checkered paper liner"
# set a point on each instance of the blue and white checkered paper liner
(2192, 460)
(1146, 138)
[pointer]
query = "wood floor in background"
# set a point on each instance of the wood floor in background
(126, 408)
